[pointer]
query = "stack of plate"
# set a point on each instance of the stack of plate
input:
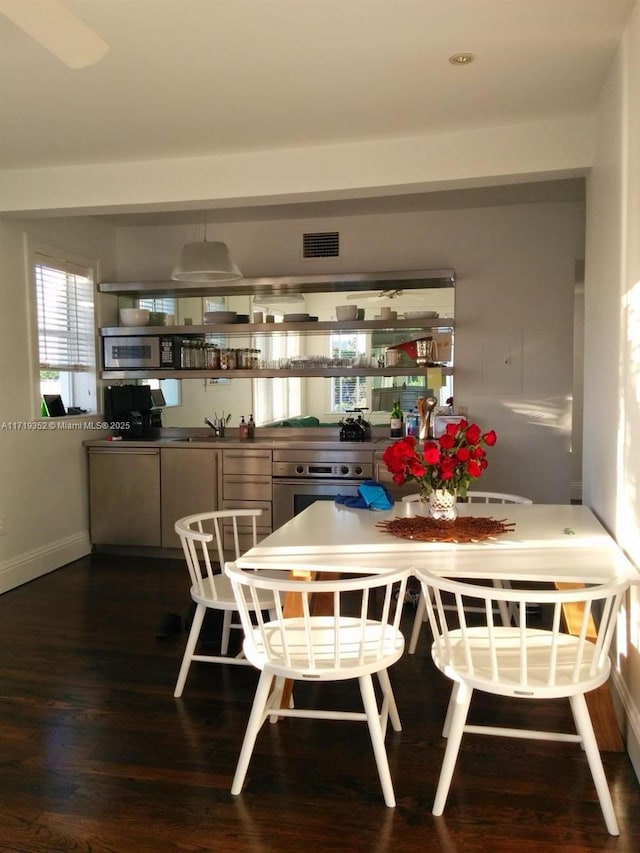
(420, 315)
(219, 317)
(295, 318)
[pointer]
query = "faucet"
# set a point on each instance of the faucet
(217, 425)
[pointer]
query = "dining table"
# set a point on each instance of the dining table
(563, 543)
(557, 544)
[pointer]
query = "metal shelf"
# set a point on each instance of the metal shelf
(265, 285)
(312, 328)
(272, 373)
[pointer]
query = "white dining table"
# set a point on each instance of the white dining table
(549, 543)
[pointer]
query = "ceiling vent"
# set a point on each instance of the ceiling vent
(325, 244)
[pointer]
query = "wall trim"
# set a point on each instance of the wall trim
(41, 561)
(628, 717)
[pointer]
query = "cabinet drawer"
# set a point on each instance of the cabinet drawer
(263, 521)
(243, 488)
(246, 462)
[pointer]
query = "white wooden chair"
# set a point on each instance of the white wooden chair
(361, 637)
(525, 662)
(210, 588)
(472, 497)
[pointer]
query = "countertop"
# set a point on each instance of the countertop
(265, 439)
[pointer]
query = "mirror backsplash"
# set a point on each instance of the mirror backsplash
(314, 400)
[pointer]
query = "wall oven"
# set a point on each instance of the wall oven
(301, 477)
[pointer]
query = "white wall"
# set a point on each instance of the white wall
(612, 354)
(43, 488)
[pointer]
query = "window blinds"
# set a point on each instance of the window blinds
(64, 300)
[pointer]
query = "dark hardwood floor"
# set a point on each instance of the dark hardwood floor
(97, 755)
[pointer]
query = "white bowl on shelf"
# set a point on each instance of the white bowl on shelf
(134, 316)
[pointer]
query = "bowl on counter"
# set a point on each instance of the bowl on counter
(134, 316)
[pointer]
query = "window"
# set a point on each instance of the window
(348, 392)
(277, 399)
(66, 331)
(166, 304)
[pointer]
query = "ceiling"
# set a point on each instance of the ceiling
(190, 77)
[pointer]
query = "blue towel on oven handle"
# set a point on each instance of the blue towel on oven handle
(371, 495)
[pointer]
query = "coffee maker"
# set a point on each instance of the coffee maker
(131, 412)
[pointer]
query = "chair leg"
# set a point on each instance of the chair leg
(461, 703)
(450, 708)
(192, 641)
(387, 692)
(226, 631)
(377, 741)
(256, 719)
(585, 730)
(420, 617)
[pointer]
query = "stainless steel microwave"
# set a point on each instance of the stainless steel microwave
(144, 352)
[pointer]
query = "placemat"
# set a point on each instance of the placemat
(463, 529)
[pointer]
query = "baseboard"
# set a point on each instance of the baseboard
(628, 717)
(41, 561)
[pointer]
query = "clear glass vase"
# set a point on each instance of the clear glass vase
(443, 505)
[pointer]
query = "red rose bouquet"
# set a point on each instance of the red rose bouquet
(450, 462)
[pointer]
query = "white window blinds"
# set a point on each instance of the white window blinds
(65, 308)
(277, 399)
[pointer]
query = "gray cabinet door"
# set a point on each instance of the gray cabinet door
(189, 478)
(124, 495)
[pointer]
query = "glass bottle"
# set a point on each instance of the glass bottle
(397, 421)
(251, 427)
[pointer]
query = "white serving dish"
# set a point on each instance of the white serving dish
(219, 317)
(134, 316)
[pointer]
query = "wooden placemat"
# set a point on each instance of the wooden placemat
(463, 529)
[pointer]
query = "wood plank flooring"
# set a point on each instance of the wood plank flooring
(96, 756)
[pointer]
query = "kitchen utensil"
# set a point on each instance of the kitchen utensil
(425, 407)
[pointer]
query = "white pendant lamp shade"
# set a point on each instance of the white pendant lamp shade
(206, 261)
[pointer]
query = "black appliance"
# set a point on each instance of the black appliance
(355, 429)
(131, 412)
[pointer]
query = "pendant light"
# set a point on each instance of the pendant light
(206, 261)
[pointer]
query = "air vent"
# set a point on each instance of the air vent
(321, 245)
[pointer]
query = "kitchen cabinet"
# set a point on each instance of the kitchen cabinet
(189, 484)
(246, 484)
(124, 496)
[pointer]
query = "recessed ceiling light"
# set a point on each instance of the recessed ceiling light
(461, 58)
